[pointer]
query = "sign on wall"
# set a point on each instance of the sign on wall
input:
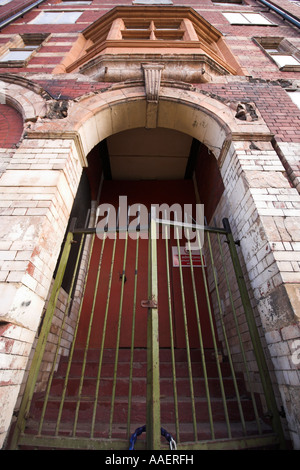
(198, 260)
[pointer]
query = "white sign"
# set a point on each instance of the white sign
(198, 260)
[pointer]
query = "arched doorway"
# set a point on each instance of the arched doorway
(149, 167)
(97, 122)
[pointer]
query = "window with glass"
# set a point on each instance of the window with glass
(76, 2)
(228, 2)
(281, 51)
(152, 2)
(155, 30)
(22, 49)
(247, 19)
(57, 17)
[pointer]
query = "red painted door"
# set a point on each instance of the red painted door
(147, 193)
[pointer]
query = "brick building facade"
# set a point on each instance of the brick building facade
(219, 77)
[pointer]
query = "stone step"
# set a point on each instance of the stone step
(138, 409)
(139, 385)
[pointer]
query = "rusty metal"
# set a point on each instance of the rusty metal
(151, 303)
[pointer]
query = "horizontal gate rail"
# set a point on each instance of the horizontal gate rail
(257, 347)
(62, 442)
(153, 398)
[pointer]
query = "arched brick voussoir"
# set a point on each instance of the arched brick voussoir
(29, 104)
(96, 116)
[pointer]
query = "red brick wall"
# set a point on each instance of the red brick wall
(263, 88)
(239, 37)
(277, 109)
(11, 126)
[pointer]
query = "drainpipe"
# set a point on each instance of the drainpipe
(281, 13)
(20, 13)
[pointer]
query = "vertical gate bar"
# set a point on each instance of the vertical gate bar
(187, 340)
(74, 340)
(239, 337)
(213, 333)
(172, 336)
(257, 346)
(219, 368)
(201, 345)
(60, 335)
(118, 339)
(133, 333)
(103, 338)
(226, 339)
(41, 344)
(88, 339)
(153, 387)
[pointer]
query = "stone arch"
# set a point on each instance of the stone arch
(94, 117)
(209, 120)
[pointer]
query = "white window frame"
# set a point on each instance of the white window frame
(22, 49)
(4, 2)
(152, 2)
(76, 2)
(244, 18)
(228, 2)
(295, 97)
(18, 55)
(281, 52)
(57, 17)
(279, 58)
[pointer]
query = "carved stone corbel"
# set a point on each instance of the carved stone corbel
(152, 75)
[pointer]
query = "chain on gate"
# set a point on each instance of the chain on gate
(142, 429)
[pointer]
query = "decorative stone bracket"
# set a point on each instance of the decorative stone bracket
(152, 75)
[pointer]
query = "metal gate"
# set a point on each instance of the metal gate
(222, 278)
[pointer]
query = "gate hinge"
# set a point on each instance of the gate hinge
(150, 303)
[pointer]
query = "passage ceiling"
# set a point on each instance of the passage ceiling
(149, 154)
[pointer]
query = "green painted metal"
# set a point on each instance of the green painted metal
(242, 443)
(189, 363)
(118, 338)
(41, 344)
(88, 339)
(207, 393)
(103, 334)
(237, 329)
(133, 333)
(153, 387)
(62, 442)
(172, 338)
(257, 346)
(77, 443)
(153, 421)
(212, 329)
(73, 344)
(212, 262)
(60, 334)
